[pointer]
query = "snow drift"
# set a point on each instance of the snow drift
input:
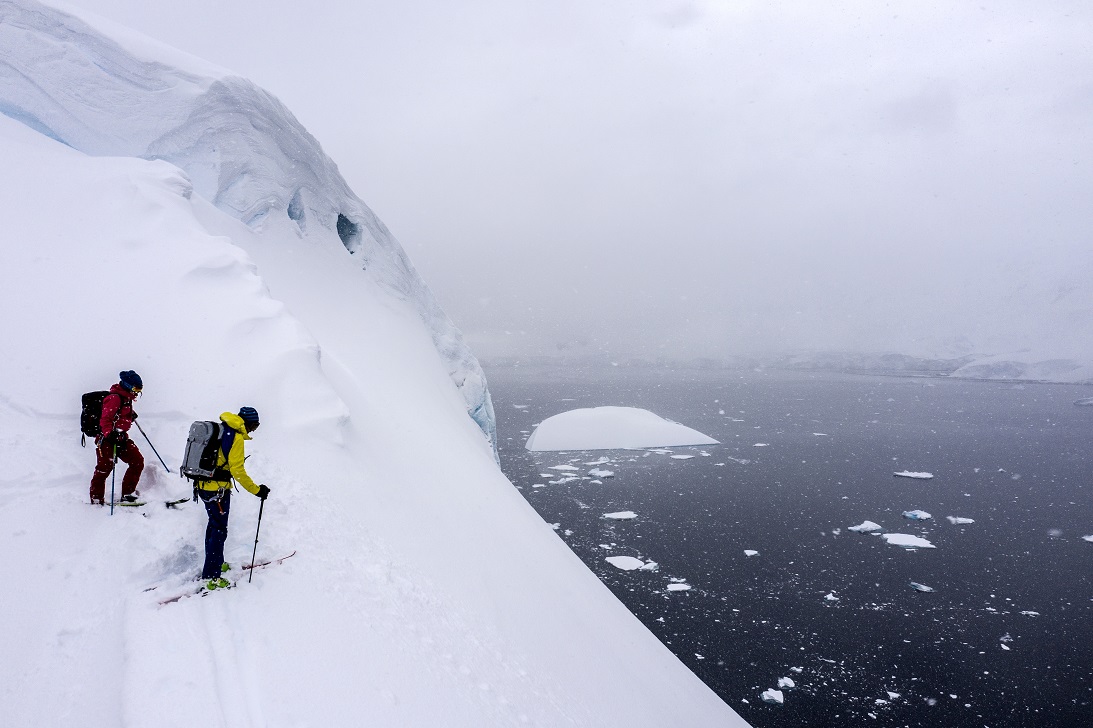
(240, 147)
(409, 601)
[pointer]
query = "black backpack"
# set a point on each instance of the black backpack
(91, 415)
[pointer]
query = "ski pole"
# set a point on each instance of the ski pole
(113, 476)
(251, 577)
(152, 446)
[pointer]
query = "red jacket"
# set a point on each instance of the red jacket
(117, 410)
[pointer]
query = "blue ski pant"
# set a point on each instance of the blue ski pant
(216, 533)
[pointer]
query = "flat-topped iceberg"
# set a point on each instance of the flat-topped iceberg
(912, 474)
(612, 428)
(907, 541)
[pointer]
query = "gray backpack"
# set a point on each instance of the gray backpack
(203, 444)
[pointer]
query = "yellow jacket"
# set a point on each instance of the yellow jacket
(234, 461)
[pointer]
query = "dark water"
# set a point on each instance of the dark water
(1006, 638)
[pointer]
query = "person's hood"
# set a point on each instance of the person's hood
(124, 393)
(235, 422)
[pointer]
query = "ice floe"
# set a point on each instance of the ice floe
(1087, 402)
(830, 597)
(750, 552)
(958, 521)
(785, 683)
(773, 696)
(626, 563)
(682, 457)
(761, 444)
(917, 515)
(921, 587)
(907, 541)
(598, 473)
(563, 467)
(621, 515)
(1088, 538)
(910, 474)
(679, 587)
(866, 527)
(608, 428)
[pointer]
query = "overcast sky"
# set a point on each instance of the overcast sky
(694, 178)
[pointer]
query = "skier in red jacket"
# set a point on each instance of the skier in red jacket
(114, 444)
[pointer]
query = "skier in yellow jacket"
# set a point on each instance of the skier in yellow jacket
(216, 492)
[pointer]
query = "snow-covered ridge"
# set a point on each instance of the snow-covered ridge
(240, 147)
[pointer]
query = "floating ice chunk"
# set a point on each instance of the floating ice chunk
(682, 457)
(1028, 613)
(1088, 538)
(761, 444)
(621, 515)
(520, 406)
(607, 428)
(651, 566)
(786, 683)
(819, 434)
(907, 541)
(704, 454)
(598, 473)
(626, 563)
(599, 461)
(797, 670)
(917, 515)
(661, 451)
(1004, 647)
(909, 474)
(773, 696)
(563, 467)
(679, 587)
(830, 597)
(866, 527)
(1087, 402)
(892, 696)
(750, 552)
(921, 587)
(958, 521)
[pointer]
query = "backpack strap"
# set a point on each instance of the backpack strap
(227, 439)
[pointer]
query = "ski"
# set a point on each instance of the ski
(271, 562)
(141, 504)
(195, 592)
(203, 590)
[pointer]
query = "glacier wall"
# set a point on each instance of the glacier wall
(242, 149)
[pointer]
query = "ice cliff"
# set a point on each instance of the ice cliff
(123, 95)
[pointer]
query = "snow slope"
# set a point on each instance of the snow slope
(424, 592)
(124, 95)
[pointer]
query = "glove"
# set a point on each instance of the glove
(263, 491)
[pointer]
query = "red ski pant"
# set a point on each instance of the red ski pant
(128, 454)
